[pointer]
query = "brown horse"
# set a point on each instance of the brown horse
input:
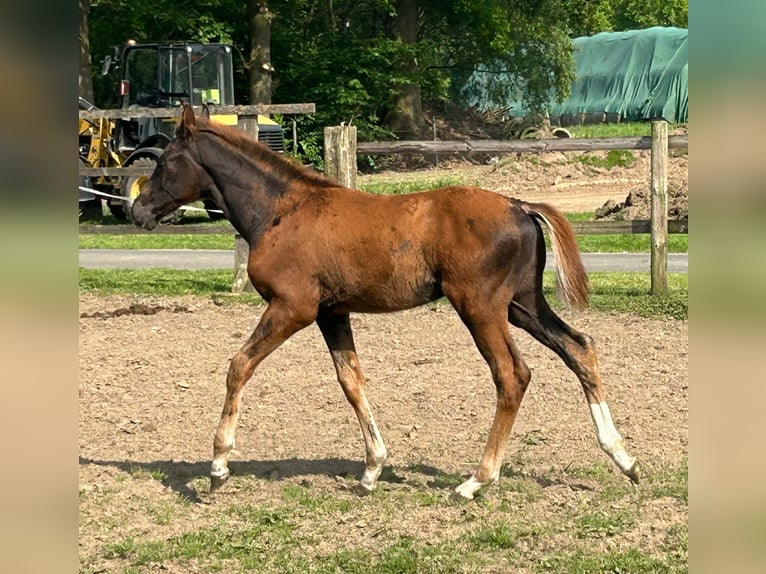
(319, 251)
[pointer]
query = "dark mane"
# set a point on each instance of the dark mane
(260, 152)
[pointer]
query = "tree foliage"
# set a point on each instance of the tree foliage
(346, 55)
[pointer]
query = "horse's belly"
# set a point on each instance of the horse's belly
(392, 293)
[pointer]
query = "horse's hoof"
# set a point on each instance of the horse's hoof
(468, 489)
(217, 482)
(362, 490)
(632, 473)
(460, 496)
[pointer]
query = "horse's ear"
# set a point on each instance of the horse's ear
(205, 113)
(188, 123)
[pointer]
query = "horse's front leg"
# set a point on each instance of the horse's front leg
(336, 330)
(277, 324)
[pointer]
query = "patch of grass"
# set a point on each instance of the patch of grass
(635, 243)
(605, 130)
(251, 545)
(630, 293)
(526, 488)
(158, 241)
(153, 474)
(428, 498)
(406, 556)
(600, 471)
(157, 281)
(581, 216)
(381, 185)
(580, 562)
(613, 158)
(162, 513)
(676, 544)
(305, 498)
(601, 523)
(497, 535)
(673, 482)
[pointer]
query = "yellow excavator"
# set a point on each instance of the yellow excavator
(155, 75)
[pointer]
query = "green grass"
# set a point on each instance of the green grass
(400, 184)
(159, 241)
(638, 243)
(629, 293)
(157, 281)
(584, 562)
(621, 292)
(603, 523)
(613, 158)
(672, 482)
(627, 129)
(327, 531)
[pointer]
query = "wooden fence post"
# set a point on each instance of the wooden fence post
(249, 125)
(241, 283)
(659, 208)
(340, 154)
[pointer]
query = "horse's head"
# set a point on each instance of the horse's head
(178, 178)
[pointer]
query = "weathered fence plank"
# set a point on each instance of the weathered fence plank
(265, 109)
(659, 209)
(241, 283)
(636, 226)
(516, 146)
(340, 154)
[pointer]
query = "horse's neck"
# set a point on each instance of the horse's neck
(246, 185)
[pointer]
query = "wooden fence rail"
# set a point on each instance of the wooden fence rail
(241, 111)
(516, 146)
(580, 228)
(341, 140)
(245, 119)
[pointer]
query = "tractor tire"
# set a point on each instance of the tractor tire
(89, 209)
(118, 210)
(131, 187)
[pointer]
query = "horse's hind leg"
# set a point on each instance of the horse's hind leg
(336, 330)
(579, 353)
(511, 376)
(278, 322)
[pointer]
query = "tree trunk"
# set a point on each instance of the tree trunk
(260, 51)
(406, 116)
(86, 69)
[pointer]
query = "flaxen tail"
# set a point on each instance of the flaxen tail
(571, 278)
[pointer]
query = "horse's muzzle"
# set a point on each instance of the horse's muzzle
(142, 215)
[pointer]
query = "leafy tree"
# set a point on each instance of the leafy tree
(114, 22)
(639, 14)
(371, 61)
(259, 63)
(85, 81)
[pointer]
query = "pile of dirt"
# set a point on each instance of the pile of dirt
(572, 181)
(637, 204)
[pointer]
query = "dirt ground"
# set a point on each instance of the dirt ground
(152, 372)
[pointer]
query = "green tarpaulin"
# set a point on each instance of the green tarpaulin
(634, 75)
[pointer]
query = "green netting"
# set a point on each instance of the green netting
(634, 75)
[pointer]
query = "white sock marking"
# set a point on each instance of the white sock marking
(608, 437)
